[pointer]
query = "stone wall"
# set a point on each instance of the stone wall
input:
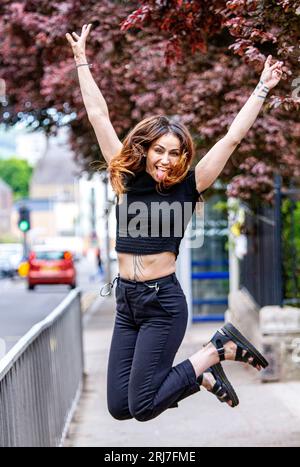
(280, 330)
(273, 330)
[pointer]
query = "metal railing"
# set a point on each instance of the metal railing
(270, 269)
(261, 269)
(41, 379)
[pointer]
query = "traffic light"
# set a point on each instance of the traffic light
(24, 219)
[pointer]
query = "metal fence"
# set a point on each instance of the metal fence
(41, 379)
(261, 267)
(291, 244)
(270, 269)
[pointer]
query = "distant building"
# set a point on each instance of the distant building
(93, 210)
(55, 173)
(62, 202)
(54, 190)
(6, 203)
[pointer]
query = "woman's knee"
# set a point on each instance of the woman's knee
(140, 412)
(119, 412)
(144, 416)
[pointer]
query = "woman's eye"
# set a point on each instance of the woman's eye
(172, 154)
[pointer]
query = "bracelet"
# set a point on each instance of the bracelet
(82, 64)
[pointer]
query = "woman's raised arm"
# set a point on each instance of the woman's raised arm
(211, 165)
(91, 94)
(93, 100)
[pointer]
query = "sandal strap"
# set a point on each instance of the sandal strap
(221, 352)
(239, 354)
(245, 358)
(220, 349)
(255, 362)
(222, 388)
(237, 337)
(219, 391)
(218, 340)
(200, 379)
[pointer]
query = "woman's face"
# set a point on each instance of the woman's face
(162, 154)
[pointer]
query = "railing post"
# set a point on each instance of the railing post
(278, 242)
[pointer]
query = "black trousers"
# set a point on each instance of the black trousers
(150, 323)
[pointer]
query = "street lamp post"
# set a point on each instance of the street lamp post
(278, 241)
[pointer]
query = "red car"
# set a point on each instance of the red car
(51, 267)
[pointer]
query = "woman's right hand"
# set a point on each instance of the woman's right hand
(78, 46)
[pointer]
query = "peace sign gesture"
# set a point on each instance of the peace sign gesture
(78, 46)
(271, 74)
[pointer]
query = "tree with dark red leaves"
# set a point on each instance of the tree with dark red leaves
(199, 60)
(251, 30)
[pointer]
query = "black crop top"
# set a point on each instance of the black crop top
(149, 222)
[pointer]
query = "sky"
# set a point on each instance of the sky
(20, 143)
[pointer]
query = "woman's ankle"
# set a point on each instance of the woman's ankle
(229, 351)
(203, 359)
(211, 353)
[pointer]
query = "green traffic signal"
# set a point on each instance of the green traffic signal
(24, 219)
(24, 226)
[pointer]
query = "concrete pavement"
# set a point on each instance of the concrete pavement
(268, 414)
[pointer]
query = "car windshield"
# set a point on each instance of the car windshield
(49, 255)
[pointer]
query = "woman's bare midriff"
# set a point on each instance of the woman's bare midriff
(146, 267)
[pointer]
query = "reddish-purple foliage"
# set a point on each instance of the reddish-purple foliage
(198, 60)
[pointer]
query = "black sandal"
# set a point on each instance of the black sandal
(234, 335)
(222, 385)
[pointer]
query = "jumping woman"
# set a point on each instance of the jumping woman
(149, 172)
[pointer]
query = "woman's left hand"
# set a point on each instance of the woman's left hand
(271, 74)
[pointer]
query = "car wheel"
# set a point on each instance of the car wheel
(72, 286)
(30, 287)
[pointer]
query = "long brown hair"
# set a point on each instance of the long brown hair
(129, 160)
